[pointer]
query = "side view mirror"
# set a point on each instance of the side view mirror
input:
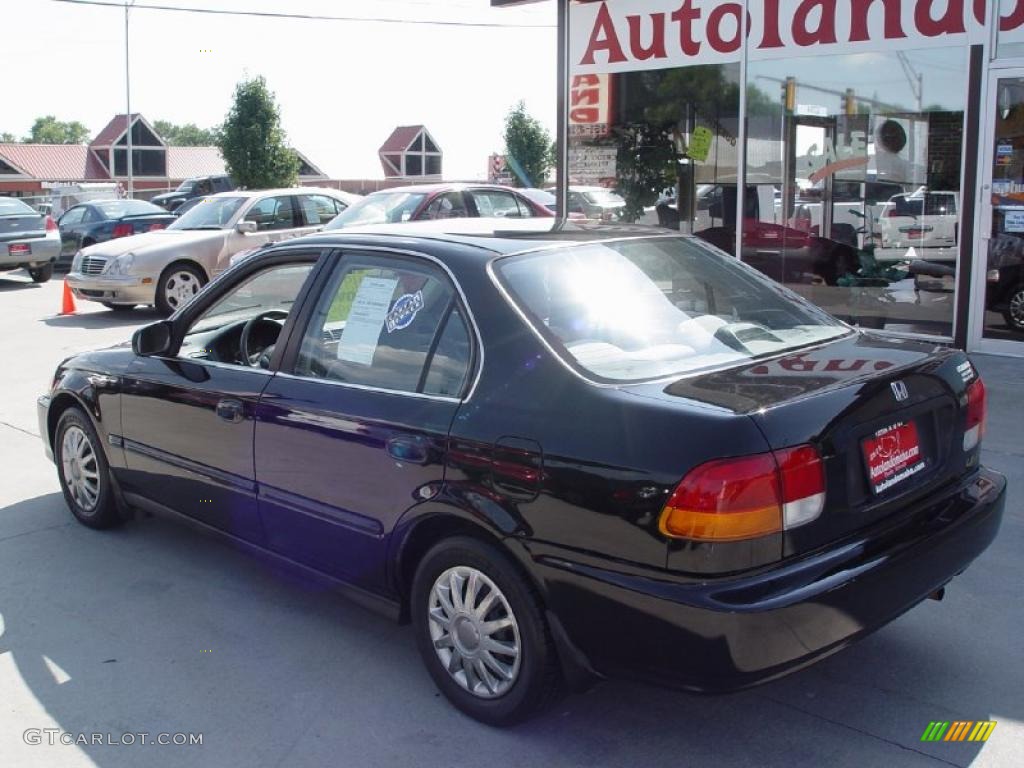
(246, 227)
(152, 340)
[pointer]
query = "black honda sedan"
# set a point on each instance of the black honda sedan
(560, 455)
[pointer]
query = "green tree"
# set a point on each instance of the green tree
(528, 147)
(253, 142)
(50, 130)
(8, 138)
(186, 135)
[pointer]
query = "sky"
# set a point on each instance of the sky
(341, 86)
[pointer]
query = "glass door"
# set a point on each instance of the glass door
(1000, 315)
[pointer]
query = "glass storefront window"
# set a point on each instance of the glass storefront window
(1004, 277)
(862, 155)
(853, 155)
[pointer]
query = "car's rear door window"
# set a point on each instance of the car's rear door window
(495, 203)
(644, 309)
(386, 323)
(272, 213)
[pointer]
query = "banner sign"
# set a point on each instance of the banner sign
(590, 106)
(631, 35)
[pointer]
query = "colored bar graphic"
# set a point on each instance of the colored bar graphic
(958, 730)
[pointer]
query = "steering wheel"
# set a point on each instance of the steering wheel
(261, 360)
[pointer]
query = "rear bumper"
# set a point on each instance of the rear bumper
(45, 250)
(722, 634)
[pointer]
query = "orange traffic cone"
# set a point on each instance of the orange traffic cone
(67, 306)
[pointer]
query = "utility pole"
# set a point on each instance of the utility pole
(128, 101)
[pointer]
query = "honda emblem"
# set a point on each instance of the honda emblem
(899, 391)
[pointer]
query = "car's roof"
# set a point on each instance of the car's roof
(445, 185)
(489, 235)
(248, 193)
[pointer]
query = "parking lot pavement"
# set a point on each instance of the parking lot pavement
(154, 628)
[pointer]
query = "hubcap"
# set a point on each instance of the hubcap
(180, 288)
(474, 631)
(1017, 308)
(80, 469)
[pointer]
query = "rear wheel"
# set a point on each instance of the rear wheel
(83, 471)
(1014, 313)
(41, 274)
(118, 307)
(481, 631)
(177, 286)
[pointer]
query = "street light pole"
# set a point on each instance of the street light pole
(128, 100)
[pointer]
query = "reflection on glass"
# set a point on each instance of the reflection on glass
(852, 193)
(1004, 297)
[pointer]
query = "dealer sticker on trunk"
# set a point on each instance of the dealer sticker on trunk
(893, 454)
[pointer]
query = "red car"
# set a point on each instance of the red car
(424, 202)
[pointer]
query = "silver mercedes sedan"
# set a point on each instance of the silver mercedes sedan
(167, 267)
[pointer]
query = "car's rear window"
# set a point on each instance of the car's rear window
(115, 209)
(379, 208)
(11, 207)
(638, 310)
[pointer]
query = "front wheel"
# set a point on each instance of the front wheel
(177, 286)
(83, 471)
(481, 631)
(41, 274)
(1014, 314)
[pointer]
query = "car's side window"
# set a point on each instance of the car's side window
(91, 216)
(271, 293)
(525, 211)
(450, 205)
(272, 213)
(381, 322)
(449, 367)
(317, 210)
(72, 217)
(496, 203)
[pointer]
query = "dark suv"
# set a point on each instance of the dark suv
(200, 186)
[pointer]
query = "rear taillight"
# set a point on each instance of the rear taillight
(51, 225)
(123, 230)
(977, 410)
(747, 497)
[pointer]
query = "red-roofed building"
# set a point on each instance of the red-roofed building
(411, 153)
(30, 169)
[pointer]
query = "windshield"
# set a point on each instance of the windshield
(11, 207)
(379, 208)
(115, 209)
(603, 196)
(186, 185)
(653, 308)
(211, 213)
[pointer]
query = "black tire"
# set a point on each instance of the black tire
(173, 272)
(103, 512)
(41, 274)
(1015, 323)
(538, 680)
(118, 307)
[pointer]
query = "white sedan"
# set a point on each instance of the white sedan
(166, 268)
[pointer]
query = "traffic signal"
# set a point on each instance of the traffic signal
(789, 94)
(850, 102)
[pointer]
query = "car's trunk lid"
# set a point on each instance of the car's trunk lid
(887, 416)
(22, 227)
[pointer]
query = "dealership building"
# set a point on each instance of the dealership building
(868, 154)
